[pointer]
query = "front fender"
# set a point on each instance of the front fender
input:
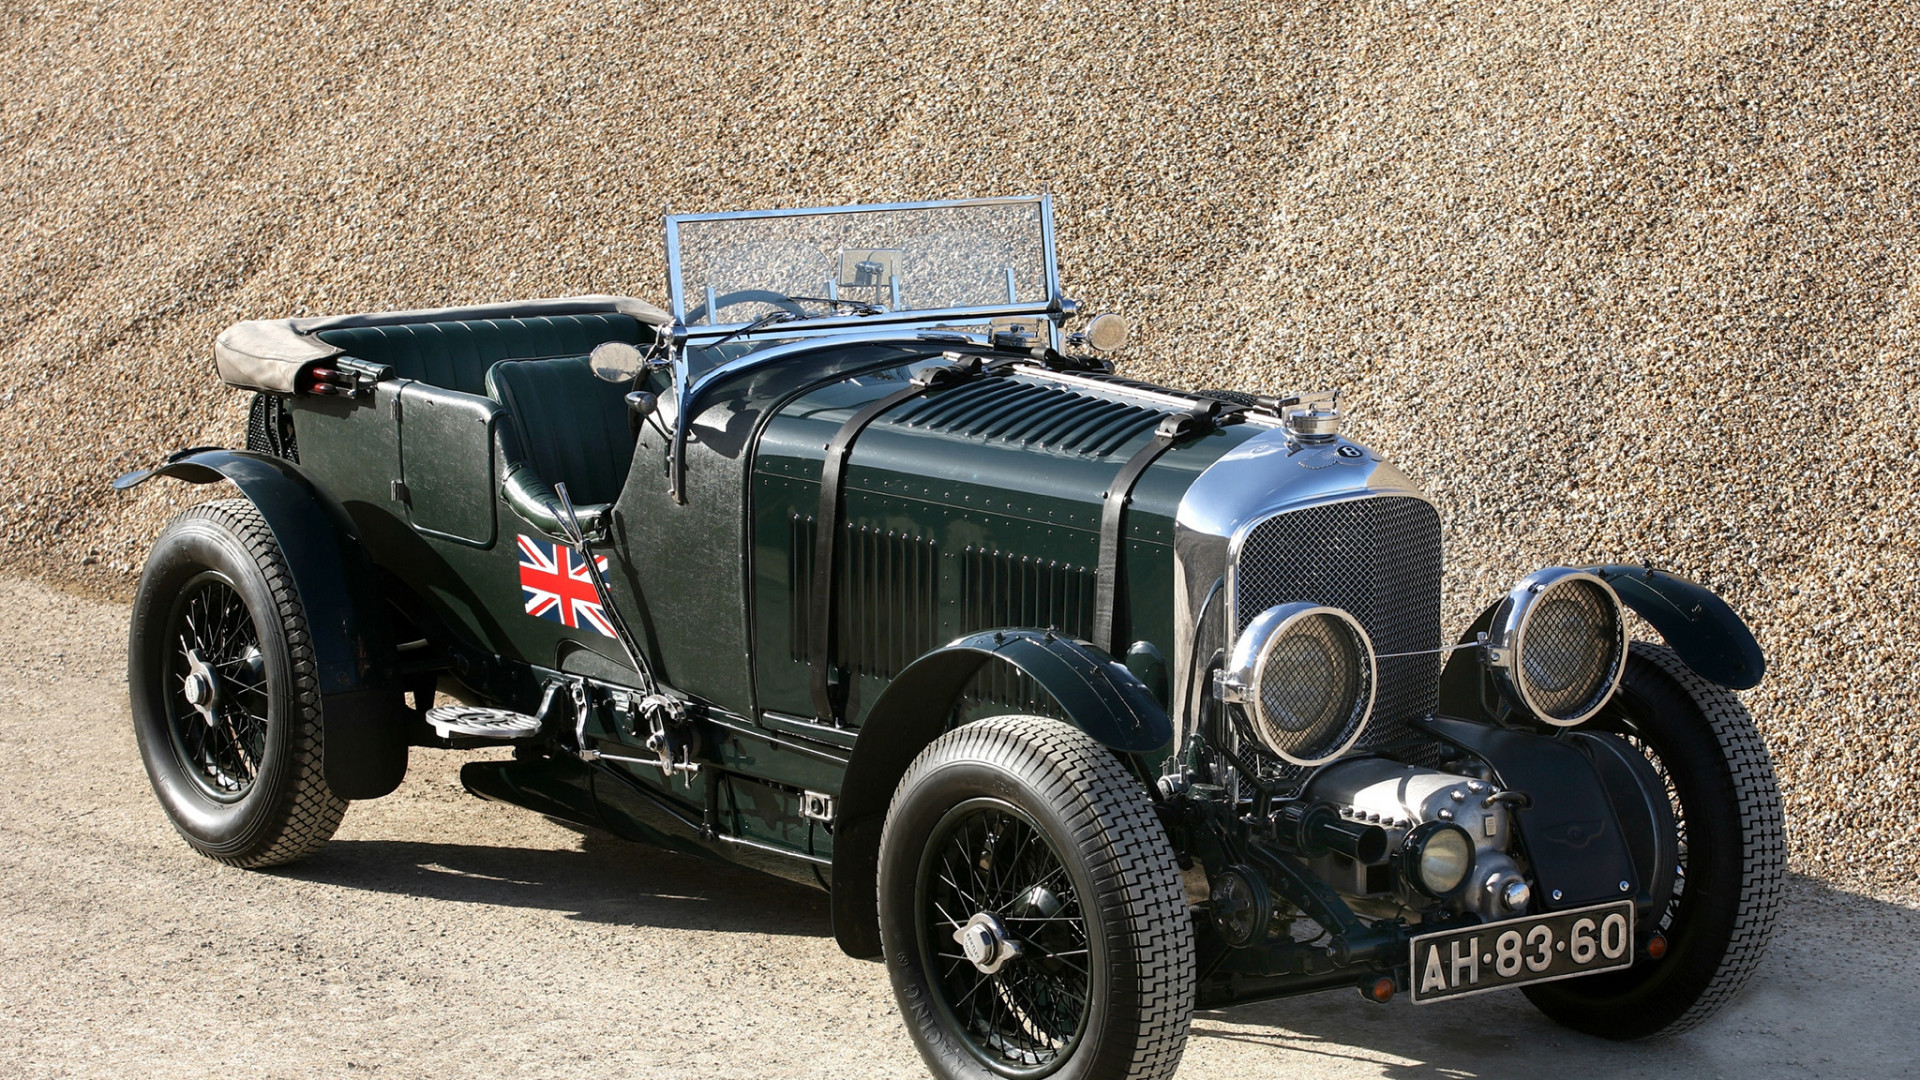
(1706, 633)
(363, 725)
(1090, 690)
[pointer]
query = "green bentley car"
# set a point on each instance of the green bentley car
(1089, 702)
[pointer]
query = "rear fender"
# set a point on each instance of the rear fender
(364, 731)
(1087, 687)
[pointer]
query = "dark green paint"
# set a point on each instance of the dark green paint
(1707, 633)
(964, 528)
(446, 462)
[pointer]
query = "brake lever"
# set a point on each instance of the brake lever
(602, 589)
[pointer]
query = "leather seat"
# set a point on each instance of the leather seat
(458, 355)
(571, 429)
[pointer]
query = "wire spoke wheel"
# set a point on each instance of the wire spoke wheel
(217, 700)
(222, 689)
(1729, 855)
(990, 866)
(1031, 911)
(1623, 725)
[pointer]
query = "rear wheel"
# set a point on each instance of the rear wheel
(220, 674)
(1726, 894)
(1031, 910)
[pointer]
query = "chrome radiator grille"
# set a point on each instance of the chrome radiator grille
(1377, 558)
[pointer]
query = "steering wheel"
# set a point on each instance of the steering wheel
(746, 296)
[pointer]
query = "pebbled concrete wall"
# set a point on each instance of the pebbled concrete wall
(1626, 281)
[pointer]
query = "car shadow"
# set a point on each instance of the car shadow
(605, 880)
(1833, 997)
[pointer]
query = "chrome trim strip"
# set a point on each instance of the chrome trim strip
(964, 316)
(1248, 673)
(1172, 399)
(674, 305)
(859, 208)
(1056, 302)
(741, 841)
(1507, 642)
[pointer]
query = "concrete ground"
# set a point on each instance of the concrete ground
(442, 936)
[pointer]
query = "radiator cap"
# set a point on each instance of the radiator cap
(1314, 418)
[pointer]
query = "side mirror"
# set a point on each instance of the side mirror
(616, 361)
(1107, 332)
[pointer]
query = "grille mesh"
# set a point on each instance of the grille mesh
(1377, 559)
(270, 428)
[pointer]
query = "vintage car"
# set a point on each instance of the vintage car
(1090, 702)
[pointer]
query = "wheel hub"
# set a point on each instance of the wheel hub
(985, 942)
(201, 687)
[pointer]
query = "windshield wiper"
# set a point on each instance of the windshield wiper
(777, 315)
(854, 306)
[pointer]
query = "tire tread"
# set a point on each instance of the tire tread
(1762, 830)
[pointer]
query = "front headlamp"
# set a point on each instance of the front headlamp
(1437, 858)
(1305, 675)
(1557, 645)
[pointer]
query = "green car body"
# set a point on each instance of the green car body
(837, 532)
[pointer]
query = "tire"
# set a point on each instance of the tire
(1073, 862)
(238, 773)
(1702, 740)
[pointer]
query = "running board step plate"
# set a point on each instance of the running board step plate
(475, 725)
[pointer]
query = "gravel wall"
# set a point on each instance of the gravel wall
(1617, 280)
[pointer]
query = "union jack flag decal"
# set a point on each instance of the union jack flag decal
(557, 585)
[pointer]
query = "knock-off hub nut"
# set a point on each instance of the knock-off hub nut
(984, 941)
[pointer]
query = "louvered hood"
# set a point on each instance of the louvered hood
(971, 507)
(1017, 463)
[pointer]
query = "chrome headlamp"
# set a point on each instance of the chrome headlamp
(1557, 645)
(1305, 675)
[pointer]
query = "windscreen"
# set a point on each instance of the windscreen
(732, 269)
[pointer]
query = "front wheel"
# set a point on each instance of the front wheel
(220, 672)
(1731, 847)
(1031, 910)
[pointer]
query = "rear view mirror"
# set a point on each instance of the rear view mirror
(1107, 332)
(616, 361)
(874, 271)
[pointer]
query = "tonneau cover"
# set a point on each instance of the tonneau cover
(267, 354)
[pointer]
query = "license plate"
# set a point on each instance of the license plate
(1494, 956)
